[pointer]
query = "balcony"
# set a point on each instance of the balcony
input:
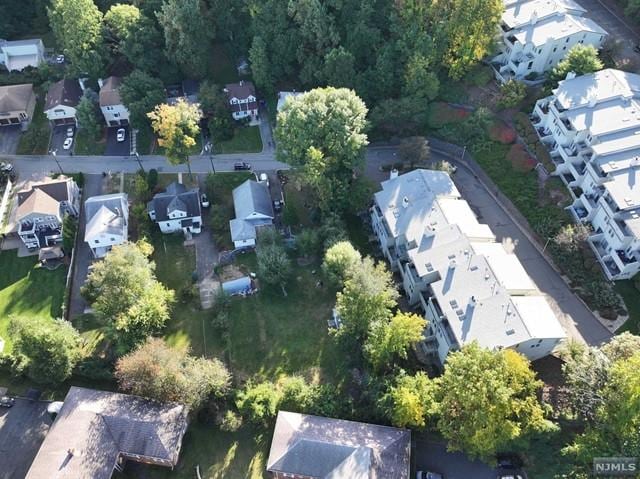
(567, 179)
(608, 264)
(578, 211)
(624, 258)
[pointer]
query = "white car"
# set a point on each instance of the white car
(204, 200)
(69, 132)
(120, 134)
(60, 59)
(67, 143)
(428, 475)
(264, 179)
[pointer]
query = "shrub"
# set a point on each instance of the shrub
(520, 159)
(499, 131)
(441, 114)
(231, 422)
(511, 94)
(152, 179)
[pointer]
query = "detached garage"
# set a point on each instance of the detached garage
(61, 102)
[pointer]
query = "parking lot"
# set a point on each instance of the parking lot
(432, 456)
(58, 135)
(22, 430)
(115, 148)
(9, 138)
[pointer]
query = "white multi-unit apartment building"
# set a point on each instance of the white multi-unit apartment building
(591, 125)
(470, 287)
(537, 34)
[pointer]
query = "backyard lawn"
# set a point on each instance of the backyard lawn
(27, 290)
(245, 140)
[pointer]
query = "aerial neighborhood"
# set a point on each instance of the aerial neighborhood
(319, 239)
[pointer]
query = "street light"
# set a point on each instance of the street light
(55, 157)
(139, 161)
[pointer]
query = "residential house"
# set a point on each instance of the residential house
(41, 208)
(107, 219)
(187, 90)
(591, 125)
(61, 102)
(17, 55)
(177, 209)
(114, 112)
(537, 34)
(97, 432)
(312, 447)
(253, 208)
(284, 95)
(242, 100)
(17, 103)
(469, 287)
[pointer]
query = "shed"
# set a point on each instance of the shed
(238, 286)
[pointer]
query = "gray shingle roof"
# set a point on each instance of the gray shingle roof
(252, 197)
(94, 428)
(330, 448)
(174, 197)
(15, 97)
(106, 214)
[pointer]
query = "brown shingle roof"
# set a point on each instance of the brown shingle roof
(240, 90)
(94, 428)
(109, 94)
(66, 92)
(15, 97)
(314, 446)
(38, 202)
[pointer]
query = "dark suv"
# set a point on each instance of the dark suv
(241, 165)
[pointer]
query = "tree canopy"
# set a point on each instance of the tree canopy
(390, 340)
(341, 261)
(410, 401)
(158, 371)
(141, 93)
(581, 59)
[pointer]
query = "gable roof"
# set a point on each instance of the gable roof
(252, 197)
(15, 97)
(241, 90)
(66, 92)
(44, 197)
(176, 196)
(94, 428)
(328, 448)
(109, 93)
(106, 214)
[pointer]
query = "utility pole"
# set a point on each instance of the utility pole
(55, 157)
(139, 162)
(213, 168)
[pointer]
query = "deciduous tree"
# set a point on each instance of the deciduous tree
(87, 115)
(414, 150)
(46, 350)
(120, 21)
(340, 262)
(141, 93)
(274, 266)
(177, 127)
(259, 402)
(486, 400)
(158, 371)
(323, 131)
(389, 340)
(581, 59)
(410, 401)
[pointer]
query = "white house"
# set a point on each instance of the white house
(107, 219)
(591, 125)
(242, 100)
(253, 208)
(61, 102)
(41, 208)
(20, 54)
(114, 112)
(177, 209)
(537, 34)
(469, 287)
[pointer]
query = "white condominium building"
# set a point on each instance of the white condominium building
(469, 287)
(591, 125)
(536, 34)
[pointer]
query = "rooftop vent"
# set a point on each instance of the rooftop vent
(453, 303)
(429, 267)
(511, 332)
(460, 314)
(405, 202)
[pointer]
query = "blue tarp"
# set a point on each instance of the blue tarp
(237, 286)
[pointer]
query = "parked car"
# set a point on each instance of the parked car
(67, 143)
(428, 475)
(264, 179)
(636, 48)
(69, 132)
(6, 401)
(120, 134)
(6, 167)
(241, 165)
(204, 201)
(60, 59)
(277, 205)
(510, 467)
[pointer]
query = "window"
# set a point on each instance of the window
(555, 48)
(112, 239)
(168, 225)
(529, 65)
(567, 40)
(96, 241)
(564, 48)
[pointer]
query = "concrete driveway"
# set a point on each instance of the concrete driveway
(58, 135)
(22, 430)
(611, 17)
(431, 455)
(9, 139)
(115, 148)
(577, 320)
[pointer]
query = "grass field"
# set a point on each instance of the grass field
(245, 140)
(631, 297)
(27, 290)
(36, 139)
(85, 145)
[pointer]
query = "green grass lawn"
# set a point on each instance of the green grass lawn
(631, 297)
(85, 145)
(36, 139)
(245, 140)
(28, 290)
(144, 139)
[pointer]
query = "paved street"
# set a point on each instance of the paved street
(9, 139)
(431, 455)
(577, 319)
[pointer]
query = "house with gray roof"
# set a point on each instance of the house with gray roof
(107, 220)
(17, 103)
(61, 102)
(97, 432)
(177, 209)
(314, 447)
(253, 208)
(16, 55)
